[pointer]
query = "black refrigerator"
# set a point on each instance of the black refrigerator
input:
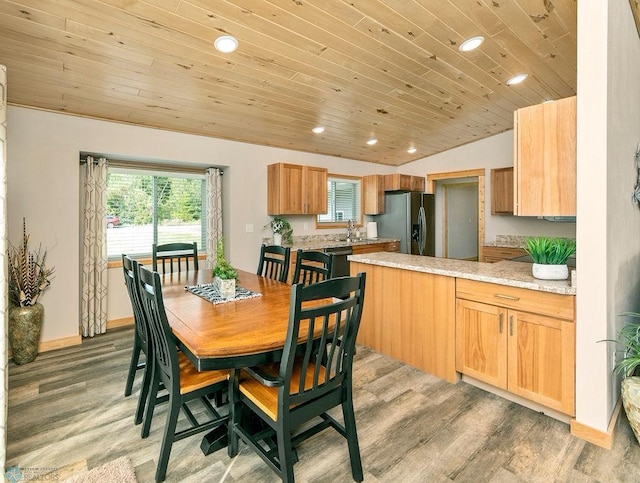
(411, 218)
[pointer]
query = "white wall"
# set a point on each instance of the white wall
(608, 133)
(493, 152)
(44, 186)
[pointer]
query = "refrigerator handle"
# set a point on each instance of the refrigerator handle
(422, 222)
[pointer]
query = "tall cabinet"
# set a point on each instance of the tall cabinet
(545, 159)
(294, 189)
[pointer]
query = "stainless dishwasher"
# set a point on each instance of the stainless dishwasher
(340, 262)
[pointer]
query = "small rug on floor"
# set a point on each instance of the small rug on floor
(210, 292)
(119, 470)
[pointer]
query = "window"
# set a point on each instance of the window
(343, 201)
(146, 207)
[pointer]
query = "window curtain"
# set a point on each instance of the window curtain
(214, 213)
(4, 303)
(94, 253)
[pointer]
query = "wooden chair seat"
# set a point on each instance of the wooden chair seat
(266, 398)
(192, 380)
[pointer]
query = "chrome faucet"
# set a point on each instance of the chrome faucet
(349, 230)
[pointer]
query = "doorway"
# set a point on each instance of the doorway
(460, 219)
(435, 185)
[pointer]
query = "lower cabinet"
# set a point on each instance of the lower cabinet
(507, 345)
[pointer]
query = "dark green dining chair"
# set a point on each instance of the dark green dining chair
(274, 262)
(301, 389)
(312, 266)
(140, 339)
(174, 252)
(179, 376)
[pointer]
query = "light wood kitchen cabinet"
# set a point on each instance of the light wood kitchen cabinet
(376, 247)
(545, 159)
(410, 316)
(491, 254)
(403, 182)
(373, 194)
(519, 340)
(502, 191)
(296, 190)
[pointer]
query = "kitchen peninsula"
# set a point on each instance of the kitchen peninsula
(492, 322)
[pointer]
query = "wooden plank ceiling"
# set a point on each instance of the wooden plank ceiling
(388, 69)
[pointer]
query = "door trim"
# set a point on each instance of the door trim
(480, 174)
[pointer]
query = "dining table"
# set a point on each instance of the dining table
(232, 334)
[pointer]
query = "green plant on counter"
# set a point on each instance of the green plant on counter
(281, 226)
(223, 268)
(550, 251)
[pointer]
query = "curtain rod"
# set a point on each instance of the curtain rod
(171, 168)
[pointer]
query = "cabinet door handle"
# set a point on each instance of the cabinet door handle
(501, 317)
(511, 325)
(508, 297)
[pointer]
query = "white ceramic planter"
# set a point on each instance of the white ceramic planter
(227, 288)
(550, 272)
(277, 238)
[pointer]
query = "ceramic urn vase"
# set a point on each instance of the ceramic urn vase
(277, 238)
(25, 326)
(630, 390)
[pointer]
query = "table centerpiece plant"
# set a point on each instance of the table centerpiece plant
(550, 256)
(281, 229)
(28, 276)
(224, 274)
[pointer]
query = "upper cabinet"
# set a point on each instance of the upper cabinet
(502, 191)
(403, 182)
(293, 189)
(545, 159)
(373, 188)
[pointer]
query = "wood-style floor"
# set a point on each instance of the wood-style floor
(67, 412)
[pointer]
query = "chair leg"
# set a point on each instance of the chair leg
(167, 439)
(151, 402)
(285, 452)
(144, 392)
(352, 437)
(133, 365)
(235, 413)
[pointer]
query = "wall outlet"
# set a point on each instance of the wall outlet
(248, 228)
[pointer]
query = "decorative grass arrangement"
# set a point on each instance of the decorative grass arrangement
(223, 268)
(629, 337)
(28, 272)
(550, 251)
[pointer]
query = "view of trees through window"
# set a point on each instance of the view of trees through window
(143, 209)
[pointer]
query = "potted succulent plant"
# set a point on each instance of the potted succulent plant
(550, 256)
(281, 230)
(224, 274)
(28, 276)
(629, 367)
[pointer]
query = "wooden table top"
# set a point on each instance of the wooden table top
(231, 334)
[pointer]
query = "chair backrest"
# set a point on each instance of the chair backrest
(274, 262)
(162, 339)
(312, 266)
(175, 251)
(329, 330)
(130, 267)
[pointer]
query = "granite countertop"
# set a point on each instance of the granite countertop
(319, 244)
(514, 274)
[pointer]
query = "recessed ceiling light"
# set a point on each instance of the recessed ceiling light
(226, 44)
(470, 44)
(372, 141)
(411, 150)
(318, 129)
(516, 79)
